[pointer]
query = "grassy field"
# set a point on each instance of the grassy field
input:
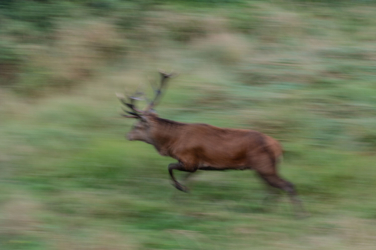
(301, 72)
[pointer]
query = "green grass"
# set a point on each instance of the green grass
(301, 72)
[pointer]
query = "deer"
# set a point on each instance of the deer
(198, 146)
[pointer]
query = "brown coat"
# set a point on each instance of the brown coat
(203, 146)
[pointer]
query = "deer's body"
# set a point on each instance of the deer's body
(206, 147)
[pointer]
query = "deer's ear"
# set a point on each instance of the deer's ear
(151, 112)
(144, 118)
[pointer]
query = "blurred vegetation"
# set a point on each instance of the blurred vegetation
(303, 72)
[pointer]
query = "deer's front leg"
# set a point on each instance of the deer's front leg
(179, 166)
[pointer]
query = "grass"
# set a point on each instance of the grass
(300, 72)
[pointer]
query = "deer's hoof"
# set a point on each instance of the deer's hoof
(181, 187)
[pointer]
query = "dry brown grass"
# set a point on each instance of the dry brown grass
(226, 48)
(351, 233)
(75, 52)
(100, 239)
(78, 52)
(18, 216)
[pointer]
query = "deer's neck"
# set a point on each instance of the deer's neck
(164, 134)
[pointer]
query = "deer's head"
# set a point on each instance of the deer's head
(145, 118)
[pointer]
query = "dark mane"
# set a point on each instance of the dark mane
(169, 122)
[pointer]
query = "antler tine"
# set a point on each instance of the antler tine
(158, 91)
(139, 95)
(131, 113)
(122, 99)
(152, 85)
(144, 95)
(136, 97)
(135, 112)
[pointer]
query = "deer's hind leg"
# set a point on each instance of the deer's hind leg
(266, 166)
(275, 181)
(271, 197)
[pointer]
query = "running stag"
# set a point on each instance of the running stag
(205, 147)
